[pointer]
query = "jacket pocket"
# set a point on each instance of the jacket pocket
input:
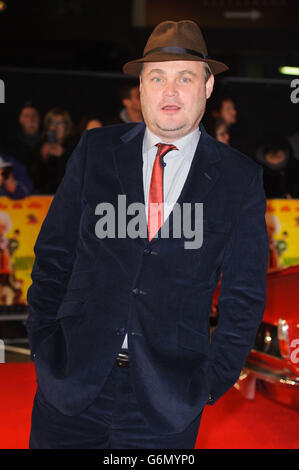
(190, 339)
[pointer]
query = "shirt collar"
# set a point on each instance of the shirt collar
(150, 140)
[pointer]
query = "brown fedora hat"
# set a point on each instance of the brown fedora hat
(175, 40)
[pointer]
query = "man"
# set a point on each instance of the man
(14, 181)
(225, 109)
(23, 144)
(280, 168)
(119, 322)
(218, 128)
(130, 98)
(29, 120)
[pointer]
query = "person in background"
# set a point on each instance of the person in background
(22, 144)
(130, 98)
(10, 185)
(29, 120)
(87, 122)
(224, 108)
(281, 170)
(218, 128)
(57, 143)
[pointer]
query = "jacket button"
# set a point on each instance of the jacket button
(136, 291)
(120, 331)
(147, 251)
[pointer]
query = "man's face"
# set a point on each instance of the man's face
(228, 112)
(29, 120)
(133, 102)
(58, 125)
(173, 97)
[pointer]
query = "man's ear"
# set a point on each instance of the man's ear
(209, 86)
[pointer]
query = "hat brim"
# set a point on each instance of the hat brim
(134, 67)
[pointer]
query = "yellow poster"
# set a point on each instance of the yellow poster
(20, 223)
(282, 219)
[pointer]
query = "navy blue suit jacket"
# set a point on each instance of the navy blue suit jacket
(87, 291)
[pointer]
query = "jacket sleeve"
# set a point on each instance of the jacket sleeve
(242, 296)
(55, 249)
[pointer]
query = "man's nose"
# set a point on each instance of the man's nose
(170, 89)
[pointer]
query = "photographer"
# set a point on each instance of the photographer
(57, 143)
(9, 185)
(280, 168)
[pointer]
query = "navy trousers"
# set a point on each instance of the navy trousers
(112, 421)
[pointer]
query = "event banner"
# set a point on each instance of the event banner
(21, 220)
(20, 223)
(282, 219)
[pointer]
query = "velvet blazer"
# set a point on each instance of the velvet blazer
(87, 292)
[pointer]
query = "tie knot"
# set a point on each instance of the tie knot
(163, 149)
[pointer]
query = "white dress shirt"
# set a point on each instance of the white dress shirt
(177, 167)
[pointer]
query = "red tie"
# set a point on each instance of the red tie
(155, 200)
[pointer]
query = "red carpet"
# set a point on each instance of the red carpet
(232, 423)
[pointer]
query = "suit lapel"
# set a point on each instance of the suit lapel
(202, 174)
(129, 166)
(129, 162)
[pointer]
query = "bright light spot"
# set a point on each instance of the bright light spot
(287, 70)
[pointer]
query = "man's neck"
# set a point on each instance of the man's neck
(173, 138)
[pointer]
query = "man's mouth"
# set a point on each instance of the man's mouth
(170, 108)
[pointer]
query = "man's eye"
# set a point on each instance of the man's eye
(157, 79)
(185, 79)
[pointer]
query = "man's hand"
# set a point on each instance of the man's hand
(51, 149)
(56, 150)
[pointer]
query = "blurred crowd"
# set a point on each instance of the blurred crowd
(34, 157)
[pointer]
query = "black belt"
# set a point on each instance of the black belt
(122, 359)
